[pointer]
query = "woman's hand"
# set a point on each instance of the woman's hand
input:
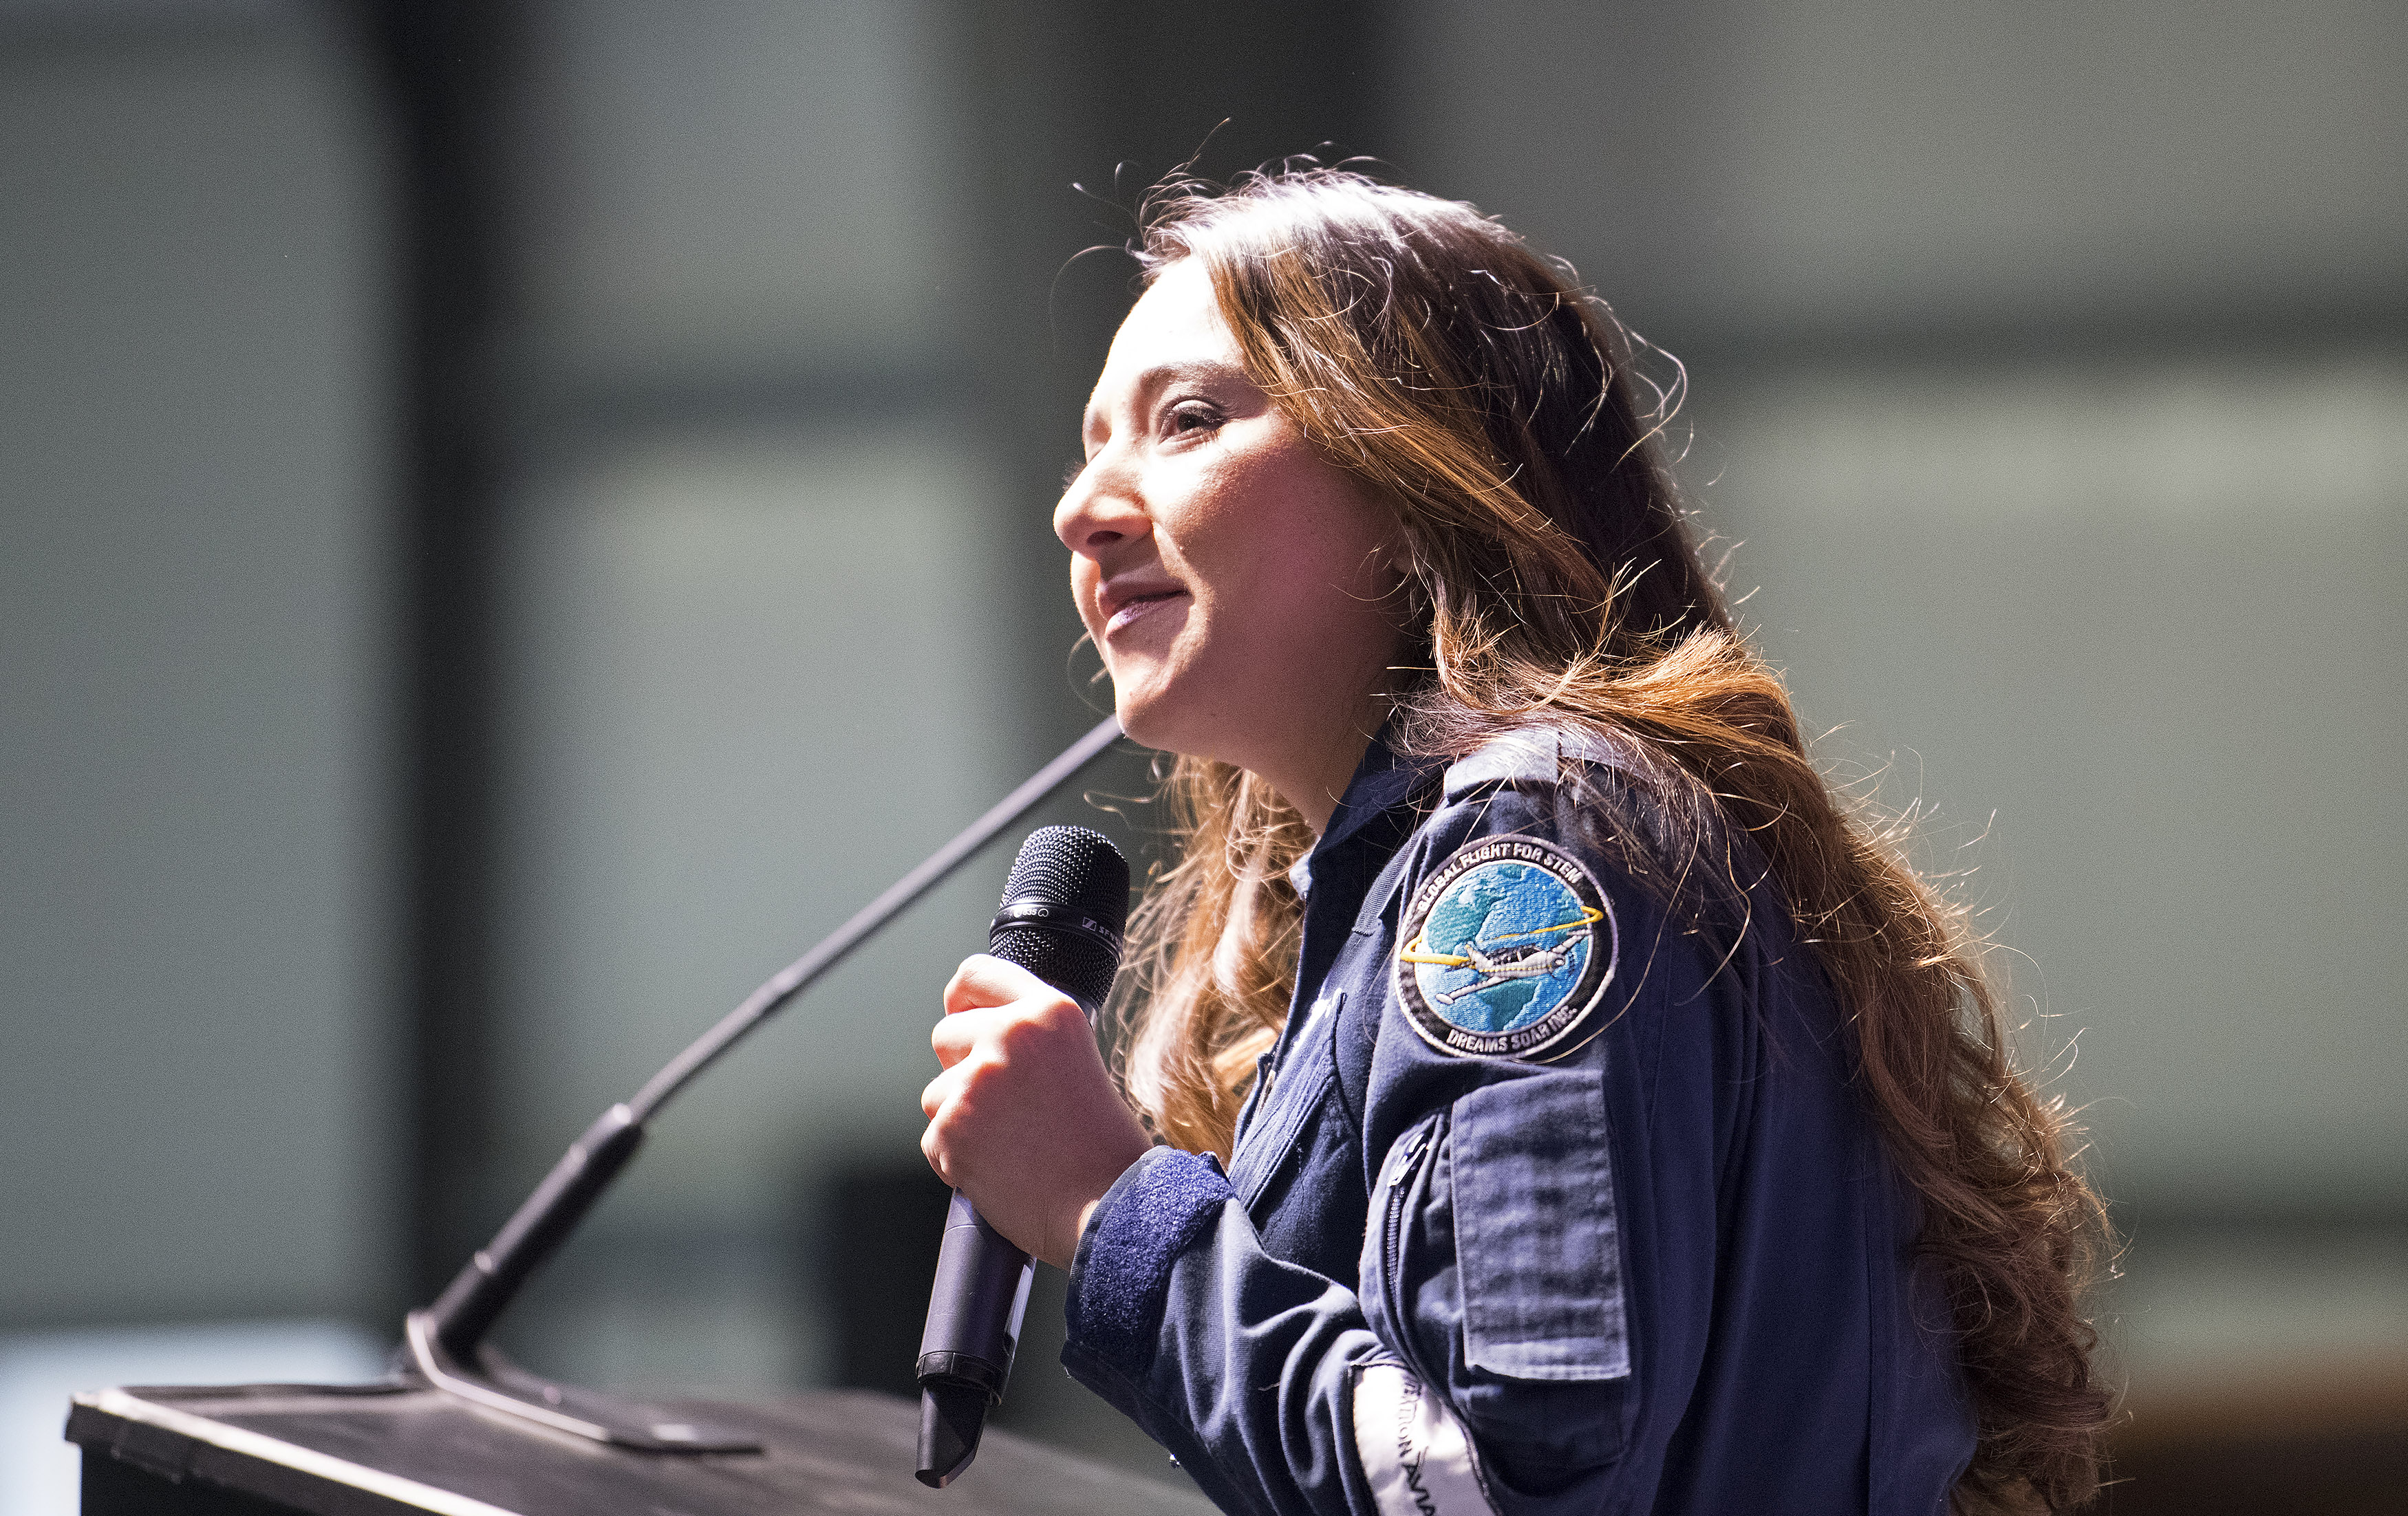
(1025, 1120)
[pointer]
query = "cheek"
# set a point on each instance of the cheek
(1286, 553)
(1315, 557)
(1084, 574)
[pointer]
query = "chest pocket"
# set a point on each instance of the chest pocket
(1537, 1242)
(1287, 1094)
(1296, 1170)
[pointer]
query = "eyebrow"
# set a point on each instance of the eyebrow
(1154, 378)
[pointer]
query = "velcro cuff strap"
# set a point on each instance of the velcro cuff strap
(1121, 1278)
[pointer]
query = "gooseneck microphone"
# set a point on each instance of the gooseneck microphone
(1062, 911)
(444, 1344)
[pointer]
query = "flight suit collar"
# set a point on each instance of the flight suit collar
(1383, 780)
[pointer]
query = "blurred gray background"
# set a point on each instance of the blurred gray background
(518, 515)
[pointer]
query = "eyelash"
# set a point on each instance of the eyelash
(1205, 415)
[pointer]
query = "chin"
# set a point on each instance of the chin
(1150, 714)
(1142, 719)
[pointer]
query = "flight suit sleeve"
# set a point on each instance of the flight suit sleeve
(1481, 1362)
(1238, 1362)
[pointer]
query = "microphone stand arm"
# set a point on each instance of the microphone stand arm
(445, 1343)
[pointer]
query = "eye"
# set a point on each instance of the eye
(1190, 416)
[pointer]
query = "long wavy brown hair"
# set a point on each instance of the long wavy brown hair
(1551, 577)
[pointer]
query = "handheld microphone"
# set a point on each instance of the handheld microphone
(1063, 910)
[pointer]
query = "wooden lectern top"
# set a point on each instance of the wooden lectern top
(388, 1450)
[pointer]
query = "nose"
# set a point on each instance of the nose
(1100, 508)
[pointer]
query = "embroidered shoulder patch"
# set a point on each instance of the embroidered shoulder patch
(1506, 952)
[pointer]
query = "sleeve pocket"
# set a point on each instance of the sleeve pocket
(1536, 1241)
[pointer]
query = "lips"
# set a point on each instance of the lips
(1125, 604)
(1138, 606)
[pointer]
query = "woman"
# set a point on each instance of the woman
(1562, 1104)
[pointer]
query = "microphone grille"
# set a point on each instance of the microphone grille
(1071, 865)
(1070, 869)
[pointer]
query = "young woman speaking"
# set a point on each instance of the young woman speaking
(1541, 1095)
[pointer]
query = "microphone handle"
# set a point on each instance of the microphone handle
(974, 1310)
(966, 1348)
(974, 1314)
(1061, 920)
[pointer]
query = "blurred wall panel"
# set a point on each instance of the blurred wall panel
(195, 969)
(752, 661)
(1744, 172)
(2133, 635)
(721, 193)
(741, 708)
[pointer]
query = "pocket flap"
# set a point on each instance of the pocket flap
(1536, 1240)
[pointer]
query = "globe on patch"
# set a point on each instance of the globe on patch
(1502, 946)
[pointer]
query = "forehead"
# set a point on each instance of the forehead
(1176, 324)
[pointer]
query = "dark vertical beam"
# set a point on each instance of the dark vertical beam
(445, 65)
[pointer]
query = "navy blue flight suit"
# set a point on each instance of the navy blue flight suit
(1553, 1199)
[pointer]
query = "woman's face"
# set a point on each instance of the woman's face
(1239, 587)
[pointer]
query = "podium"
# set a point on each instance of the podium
(393, 1449)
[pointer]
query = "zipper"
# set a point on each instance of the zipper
(1402, 1170)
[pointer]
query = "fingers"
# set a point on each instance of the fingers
(994, 1004)
(962, 1033)
(982, 982)
(936, 1155)
(1024, 1115)
(942, 1099)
